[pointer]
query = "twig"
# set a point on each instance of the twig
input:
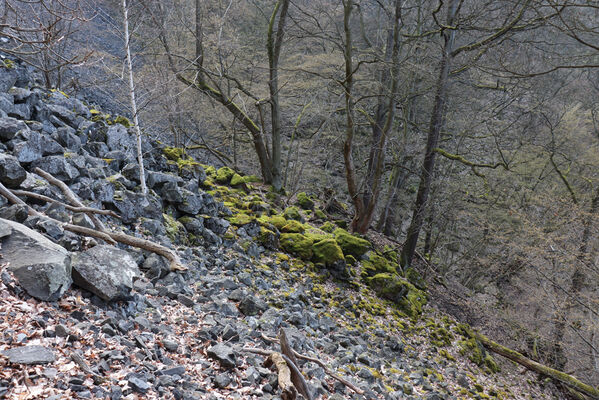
(87, 210)
(288, 391)
(317, 361)
(70, 196)
(296, 376)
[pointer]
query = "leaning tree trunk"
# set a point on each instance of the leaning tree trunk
(436, 124)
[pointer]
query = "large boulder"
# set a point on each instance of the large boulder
(42, 267)
(9, 127)
(118, 138)
(11, 172)
(57, 166)
(106, 271)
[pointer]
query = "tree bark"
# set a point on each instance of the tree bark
(436, 124)
(140, 159)
(274, 44)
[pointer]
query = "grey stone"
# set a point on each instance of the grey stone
(96, 149)
(64, 115)
(81, 219)
(11, 172)
(177, 370)
(20, 111)
(6, 102)
(30, 355)
(66, 137)
(222, 380)
(170, 345)
(29, 150)
(251, 305)
(191, 203)
(58, 167)
(10, 126)
(217, 225)
(138, 385)
(42, 268)
(130, 206)
(50, 147)
(106, 271)
(157, 179)
(223, 354)
(16, 212)
(8, 78)
(118, 138)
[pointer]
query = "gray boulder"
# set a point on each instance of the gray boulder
(106, 271)
(29, 150)
(9, 127)
(30, 355)
(42, 267)
(11, 172)
(57, 166)
(66, 137)
(8, 78)
(50, 147)
(118, 138)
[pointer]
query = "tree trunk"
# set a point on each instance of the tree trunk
(436, 124)
(365, 203)
(274, 51)
(140, 159)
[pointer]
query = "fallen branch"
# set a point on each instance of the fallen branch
(288, 391)
(68, 193)
(110, 237)
(296, 376)
(86, 210)
(559, 376)
(322, 364)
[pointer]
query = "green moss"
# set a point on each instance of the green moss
(172, 226)
(351, 260)
(351, 244)
(327, 252)
(328, 227)
(8, 63)
(210, 171)
(445, 353)
(268, 238)
(224, 175)
(237, 180)
(240, 219)
(119, 119)
(392, 287)
(293, 226)
(298, 244)
(293, 213)
(304, 201)
(276, 220)
(376, 264)
(320, 214)
(415, 278)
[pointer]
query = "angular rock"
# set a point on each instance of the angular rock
(66, 137)
(223, 354)
(8, 78)
(57, 166)
(63, 114)
(118, 138)
(42, 268)
(50, 147)
(106, 271)
(11, 172)
(30, 355)
(29, 150)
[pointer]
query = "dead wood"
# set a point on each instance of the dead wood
(86, 210)
(562, 377)
(69, 195)
(327, 370)
(110, 237)
(288, 391)
(296, 376)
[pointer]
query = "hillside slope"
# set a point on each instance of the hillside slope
(130, 328)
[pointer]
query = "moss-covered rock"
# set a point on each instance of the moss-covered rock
(376, 264)
(394, 288)
(293, 226)
(328, 227)
(240, 219)
(224, 175)
(351, 244)
(237, 180)
(293, 213)
(318, 213)
(304, 201)
(173, 228)
(277, 221)
(415, 278)
(298, 244)
(268, 239)
(327, 252)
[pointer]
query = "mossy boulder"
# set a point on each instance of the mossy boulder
(174, 229)
(237, 180)
(297, 244)
(240, 219)
(293, 226)
(328, 227)
(277, 221)
(293, 213)
(415, 278)
(304, 201)
(224, 175)
(327, 252)
(351, 244)
(318, 213)
(173, 153)
(268, 239)
(376, 264)
(394, 288)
